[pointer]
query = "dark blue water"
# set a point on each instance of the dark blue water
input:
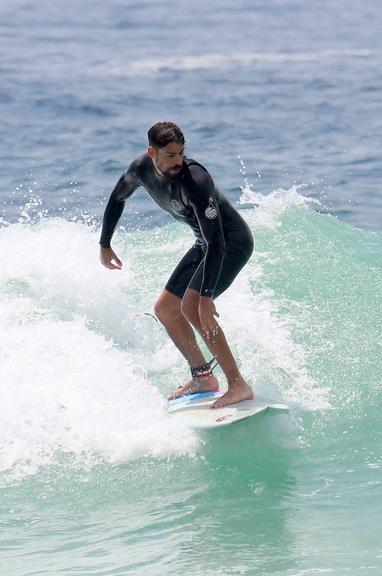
(293, 88)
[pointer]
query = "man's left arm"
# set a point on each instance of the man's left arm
(203, 201)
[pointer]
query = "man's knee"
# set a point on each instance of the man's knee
(167, 307)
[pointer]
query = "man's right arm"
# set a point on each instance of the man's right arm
(123, 189)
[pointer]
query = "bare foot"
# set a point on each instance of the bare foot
(209, 384)
(237, 392)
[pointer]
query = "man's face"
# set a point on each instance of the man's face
(169, 159)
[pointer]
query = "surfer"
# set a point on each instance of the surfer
(223, 245)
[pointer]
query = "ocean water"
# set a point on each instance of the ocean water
(281, 100)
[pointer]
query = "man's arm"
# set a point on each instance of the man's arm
(124, 188)
(202, 200)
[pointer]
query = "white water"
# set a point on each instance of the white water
(84, 369)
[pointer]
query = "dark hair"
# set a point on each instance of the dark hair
(163, 133)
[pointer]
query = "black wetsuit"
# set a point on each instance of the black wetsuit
(224, 242)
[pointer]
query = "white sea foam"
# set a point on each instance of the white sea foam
(213, 61)
(83, 369)
(65, 386)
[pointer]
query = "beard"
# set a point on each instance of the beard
(174, 173)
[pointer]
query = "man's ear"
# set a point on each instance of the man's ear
(151, 152)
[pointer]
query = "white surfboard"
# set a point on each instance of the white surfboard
(194, 410)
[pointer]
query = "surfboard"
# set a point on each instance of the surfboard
(194, 410)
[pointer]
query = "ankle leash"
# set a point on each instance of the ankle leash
(204, 370)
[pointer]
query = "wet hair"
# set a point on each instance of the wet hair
(163, 133)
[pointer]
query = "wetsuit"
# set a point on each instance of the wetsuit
(224, 242)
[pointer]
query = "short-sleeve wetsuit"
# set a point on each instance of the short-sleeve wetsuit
(224, 241)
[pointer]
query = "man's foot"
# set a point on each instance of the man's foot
(208, 384)
(237, 392)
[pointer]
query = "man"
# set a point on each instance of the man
(223, 245)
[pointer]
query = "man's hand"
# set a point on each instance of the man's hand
(110, 259)
(207, 313)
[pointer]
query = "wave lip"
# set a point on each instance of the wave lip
(272, 206)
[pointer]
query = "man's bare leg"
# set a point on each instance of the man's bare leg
(168, 311)
(176, 316)
(238, 389)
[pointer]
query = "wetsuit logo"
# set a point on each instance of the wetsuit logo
(176, 206)
(211, 210)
